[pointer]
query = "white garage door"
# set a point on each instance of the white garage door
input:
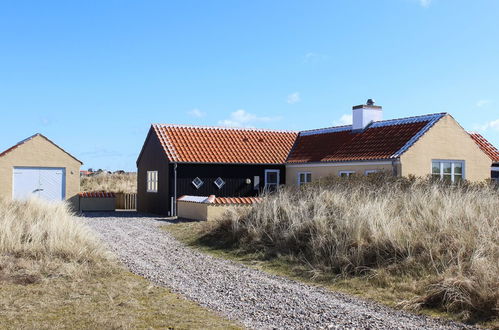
(44, 182)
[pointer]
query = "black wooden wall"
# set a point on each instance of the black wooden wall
(234, 175)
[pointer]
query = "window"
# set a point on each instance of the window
(197, 182)
(256, 182)
(271, 179)
(448, 170)
(304, 177)
(367, 172)
(219, 182)
(152, 181)
(346, 174)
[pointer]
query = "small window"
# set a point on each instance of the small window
(152, 181)
(368, 172)
(304, 177)
(256, 182)
(271, 179)
(346, 174)
(219, 182)
(197, 182)
(448, 170)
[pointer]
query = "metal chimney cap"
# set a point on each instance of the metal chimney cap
(370, 102)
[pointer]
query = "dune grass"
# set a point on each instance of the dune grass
(115, 182)
(54, 273)
(420, 244)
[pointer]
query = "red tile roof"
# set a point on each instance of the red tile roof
(32, 137)
(486, 146)
(101, 194)
(237, 200)
(380, 140)
(220, 200)
(197, 144)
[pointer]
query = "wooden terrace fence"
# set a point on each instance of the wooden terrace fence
(125, 201)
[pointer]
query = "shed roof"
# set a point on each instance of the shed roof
(385, 139)
(212, 199)
(20, 143)
(486, 146)
(201, 144)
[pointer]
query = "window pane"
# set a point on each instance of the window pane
(271, 178)
(447, 167)
(309, 177)
(435, 168)
(458, 168)
(447, 178)
(302, 179)
(458, 177)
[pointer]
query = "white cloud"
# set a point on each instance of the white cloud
(314, 57)
(242, 118)
(491, 125)
(425, 3)
(482, 103)
(344, 120)
(293, 98)
(196, 113)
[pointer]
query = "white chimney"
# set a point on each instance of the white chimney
(365, 114)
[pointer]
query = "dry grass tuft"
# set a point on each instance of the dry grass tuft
(117, 183)
(40, 240)
(445, 238)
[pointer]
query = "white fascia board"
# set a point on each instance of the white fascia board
(367, 163)
(495, 168)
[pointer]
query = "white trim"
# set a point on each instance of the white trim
(346, 172)
(197, 186)
(219, 185)
(387, 162)
(452, 161)
(152, 182)
(494, 168)
(272, 171)
(298, 177)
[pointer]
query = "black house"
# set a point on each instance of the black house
(226, 162)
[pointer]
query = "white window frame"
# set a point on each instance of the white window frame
(278, 178)
(152, 181)
(219, 186)
(304, 182)
(348, 173)
(452, 161)
(197, 186)
(367, 172)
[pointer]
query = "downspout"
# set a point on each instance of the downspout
(174, 189)
(395, 162)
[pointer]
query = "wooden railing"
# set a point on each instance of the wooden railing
(125, 201)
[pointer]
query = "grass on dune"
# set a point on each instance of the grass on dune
(54, 273)
(114, 182)
(408, 242)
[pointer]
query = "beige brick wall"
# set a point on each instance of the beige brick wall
(446, 140)
(333, 169)
(38, 152)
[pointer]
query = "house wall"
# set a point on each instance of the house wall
(38, 152)
(234, 176)
(446, 140)
(97, 204)
(323, 170)
(192, 210)
(153, 158)
(204, 211)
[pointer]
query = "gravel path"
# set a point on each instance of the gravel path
(254, 298)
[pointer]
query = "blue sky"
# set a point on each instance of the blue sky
(93, 75)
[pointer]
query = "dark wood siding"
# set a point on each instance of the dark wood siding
(153, 158)
(234, 176)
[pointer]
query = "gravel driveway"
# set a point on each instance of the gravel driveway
(254, 298)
